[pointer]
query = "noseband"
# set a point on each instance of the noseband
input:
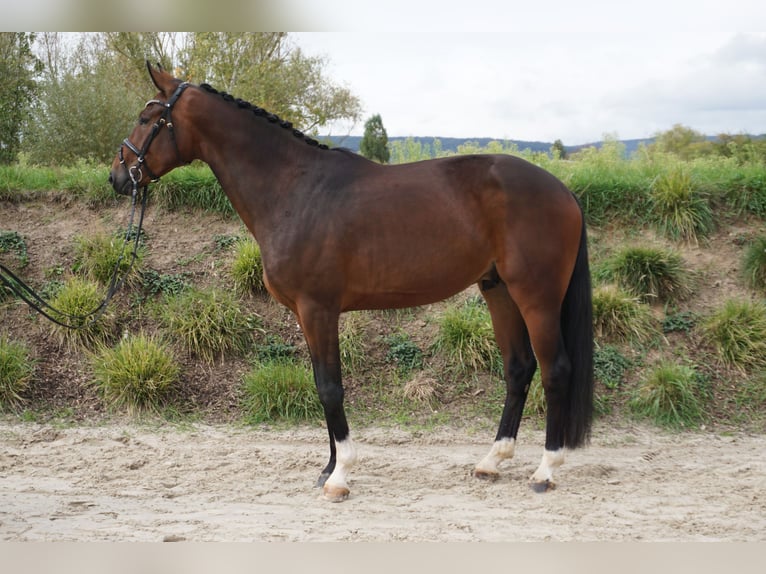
(136, 170)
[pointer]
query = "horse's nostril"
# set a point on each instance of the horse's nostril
(111, 179)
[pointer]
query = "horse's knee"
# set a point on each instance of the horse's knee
(330, 395)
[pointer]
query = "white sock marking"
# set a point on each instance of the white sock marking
(501, 450)
(345, 458)
(552, 459)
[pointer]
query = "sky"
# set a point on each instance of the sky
(540, 71)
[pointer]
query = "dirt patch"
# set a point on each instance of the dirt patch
(218, 483)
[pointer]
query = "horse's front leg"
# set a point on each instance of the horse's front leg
(320, 328)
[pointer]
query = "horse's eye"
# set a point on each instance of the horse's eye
(143, 121)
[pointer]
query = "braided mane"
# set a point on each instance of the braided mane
(260, 112)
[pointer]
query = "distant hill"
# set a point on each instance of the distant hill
(451, 144)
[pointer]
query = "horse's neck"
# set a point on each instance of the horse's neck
(257, 166)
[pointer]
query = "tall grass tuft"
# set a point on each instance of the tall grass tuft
(670, 395)
(738, 333)
(280, 390)
(136, 375)
(650, 274)
(620, 317)
(195, 187)
(247, 267)
(75, 299)
(680, 211)
(16, 370)
(208, 324)
(352, 343)
(98, 255)
(754, 264)
(466, 338)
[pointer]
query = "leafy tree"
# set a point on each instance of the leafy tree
(18, 88)
(267, 70)
(682, 141)
(86, 106)
(558, 150)
(374, 144)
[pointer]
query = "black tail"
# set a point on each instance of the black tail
(577, 330)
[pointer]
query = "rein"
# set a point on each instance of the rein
(135, 172)
(37, 303)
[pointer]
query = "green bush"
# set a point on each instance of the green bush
(96, 256)
(403, 352)
(738, 333)
(207, 323)
(650, 274)
(680, 211)
(754, 264)
(280, 390)
(247, 267)
(609, 366)
(137, 374)
(77, 300)
(466, 338)
(16, 369)
(670, 395)
(620, 317)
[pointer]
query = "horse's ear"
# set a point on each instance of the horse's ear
(160, 77)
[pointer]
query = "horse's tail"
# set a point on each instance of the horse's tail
(577, 331)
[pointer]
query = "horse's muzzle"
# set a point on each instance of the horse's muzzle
(120, 181)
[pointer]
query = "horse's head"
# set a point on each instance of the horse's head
(151, 150)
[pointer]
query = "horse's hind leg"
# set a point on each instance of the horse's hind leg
(518, 368)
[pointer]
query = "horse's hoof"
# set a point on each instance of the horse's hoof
(335, 493)
(487, 475)
(541, 487)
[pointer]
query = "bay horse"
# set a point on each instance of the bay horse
(339, 232)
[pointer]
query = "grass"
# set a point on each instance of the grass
(136, 375)
(466, 338)
(280, 390)
(16, 370)
(76, 300)
(98, 256)
(649, 273)
(353, 350)
(679, 210)
(247, 267)
(737, 331)
(670, 395)
(754, 264)
(620, 317)
(207, 323)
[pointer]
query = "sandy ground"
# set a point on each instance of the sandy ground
(218, 483)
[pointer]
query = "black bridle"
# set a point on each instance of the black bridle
(135, 172)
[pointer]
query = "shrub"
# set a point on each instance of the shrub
(609, 366)
(466, 338)
(679, 210)
(738, 333)
(247, 267)
(670, 395)
(76, 301)
(403, 352)
(136, 374)
(97, 256)
(276, 390)
(754, 264)
(619, 317)
(207, 323)
(16, 369)
(166, 283)
(12, 242)
(650, 273)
